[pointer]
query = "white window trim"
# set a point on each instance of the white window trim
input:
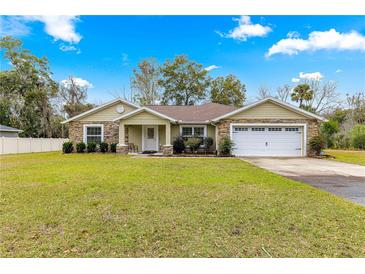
(192, 126)
(93, 125)
(304, 139)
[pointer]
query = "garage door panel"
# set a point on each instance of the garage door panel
(267, 141)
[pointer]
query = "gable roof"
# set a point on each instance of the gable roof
(193, 114)
(139, 110)
(277, 102)
(9, 129)
(98, 108)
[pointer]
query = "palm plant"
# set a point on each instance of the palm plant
(302, 92)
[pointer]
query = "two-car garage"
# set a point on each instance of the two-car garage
(268, 140)
(269, 128)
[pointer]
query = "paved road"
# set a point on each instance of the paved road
(345, 180)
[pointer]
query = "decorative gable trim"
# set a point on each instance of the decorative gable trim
(101, 107)
(135, 112)
(275, 101)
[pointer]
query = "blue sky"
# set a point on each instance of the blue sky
(103, 50)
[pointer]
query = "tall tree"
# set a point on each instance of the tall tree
(302, 93)
(228, 91)
(263, 92)
(283, 93)
(73, 97)
(325, 97)
(145, 82)
(26, 90)
(184, 82)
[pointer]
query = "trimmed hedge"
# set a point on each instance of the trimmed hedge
(80, 147)
(67, 147)
(91, 147)
(104, 147)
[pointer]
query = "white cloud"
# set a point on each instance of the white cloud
(246, 29)
(13, 25)
(212, 67)
(293, 34)
(311, 76)
(125, 59)
(78, 81)
(295, 80)
(59, 27)
(69, 48)
(319, 40)
(338, 70)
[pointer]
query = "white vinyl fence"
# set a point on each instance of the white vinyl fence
(9, 145)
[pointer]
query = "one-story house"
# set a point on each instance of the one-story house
(6, 131)
(268, 127)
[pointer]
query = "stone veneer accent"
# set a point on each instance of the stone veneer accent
(167, 150)
(76, 131)
(312, 127)
(124, 149)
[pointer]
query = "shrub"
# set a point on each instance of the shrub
(179, 145)
(80, 147)
(104, 147)
(328, 129)
(341, 141)
(226, 146)
(358, 136)
(113, 147)
(208, 142)
(67, 147)
(316, 144)
(193, 143)
(359, 141)
(91, 147)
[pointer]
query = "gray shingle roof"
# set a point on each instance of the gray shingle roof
(200, 113)
(6, 128)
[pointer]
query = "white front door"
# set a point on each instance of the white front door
(150, 138)
(284, 141)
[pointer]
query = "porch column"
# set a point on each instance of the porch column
(167, 148)
(122, 146)
(168, 134)
(122, 134)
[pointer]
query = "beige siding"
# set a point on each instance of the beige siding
(107, 114)
(161, 135)
(267, 110)
(211, 133)
(135, 136)
(175, 132)
(145, 118)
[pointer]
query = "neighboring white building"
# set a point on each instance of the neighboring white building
(6, 131)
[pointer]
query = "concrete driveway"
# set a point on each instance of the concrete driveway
(345, 180)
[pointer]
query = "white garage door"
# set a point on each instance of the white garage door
(267, 141)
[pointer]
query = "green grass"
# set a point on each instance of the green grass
(54, 205)
(348, 156)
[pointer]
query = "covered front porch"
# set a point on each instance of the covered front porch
(138, 138)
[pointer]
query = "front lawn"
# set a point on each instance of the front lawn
(54, 205)
(348, 156)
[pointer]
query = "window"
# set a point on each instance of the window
(275, 128)
(93, 133)
(240, 129)
(199, 131)
(188, 131)
(150, 133)
(291, 129)
(258, 129)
